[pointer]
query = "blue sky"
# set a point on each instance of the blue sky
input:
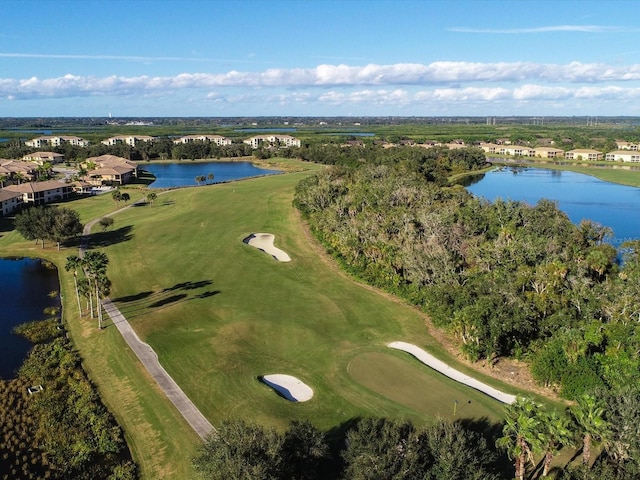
(319, 58)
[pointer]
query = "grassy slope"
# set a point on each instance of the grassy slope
(220, 313)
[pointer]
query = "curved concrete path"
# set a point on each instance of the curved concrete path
(148, 356)
(443, 368)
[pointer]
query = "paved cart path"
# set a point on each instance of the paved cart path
(148, 356)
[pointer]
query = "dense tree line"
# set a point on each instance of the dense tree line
(373, 449)
(62, 430)
(508, 279)
(600, 428)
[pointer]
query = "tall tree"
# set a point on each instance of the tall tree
(520, 433)
(95, 264)
(554, 435)
(75, 263)
(588, 417)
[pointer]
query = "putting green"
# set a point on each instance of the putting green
(420, 388)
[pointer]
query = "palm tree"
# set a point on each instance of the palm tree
(74, 263)
(520, 433)
(95, 264)
(84, 289)
(3, 179)
(588, 417)
(554, 435)
(210, 177)
(151, 196)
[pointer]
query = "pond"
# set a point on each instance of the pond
(25, 285)
(579, 196)
(183, 174)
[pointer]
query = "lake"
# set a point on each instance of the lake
(579, 196)
(183, 174)
(24, 287)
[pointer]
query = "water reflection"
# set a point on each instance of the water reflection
(579, 196)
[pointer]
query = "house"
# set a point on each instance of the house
(81, 187)
(56, 141)
(39, 193)
(217, 139)
(548, 152)
(621, 145)
(515, 151)
(110, 170)
(42, 157)
(489, 147)
(455, 145)
(18, 171)
(127, 139)
(625, 155)
(583, 154)
(273, 140)
(9, 201)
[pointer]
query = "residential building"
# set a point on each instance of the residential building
(515, 151)
(56, 141)
(9, 201)
(110, 170)
(626, 155)
(273, 140)
(583, 154)
(42, 157)
(217, 139)
(15, 170)
(621, 145)
(490, 147)
(39, 193)
(548, 152)
(127, 139)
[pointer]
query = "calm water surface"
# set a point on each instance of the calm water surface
(24, 287)
(183, 174)
(579, 196)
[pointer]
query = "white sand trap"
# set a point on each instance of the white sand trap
(452, 373)
(290, 387)
(264, 242)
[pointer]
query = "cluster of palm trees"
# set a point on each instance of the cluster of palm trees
(201, 179)
(530, 430)
(95, 285)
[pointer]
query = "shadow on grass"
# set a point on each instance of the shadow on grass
(104, 239)
(141, 303)
(6, 224)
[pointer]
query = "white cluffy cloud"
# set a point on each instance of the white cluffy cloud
(401, 85)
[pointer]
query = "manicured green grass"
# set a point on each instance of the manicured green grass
(220, 313)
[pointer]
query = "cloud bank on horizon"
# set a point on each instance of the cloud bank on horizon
(408, 64)
(404, 83)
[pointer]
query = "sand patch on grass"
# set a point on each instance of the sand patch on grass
(452, 373)
(264, 242)
(289, 387)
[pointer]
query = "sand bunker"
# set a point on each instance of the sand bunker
(289, 387)
(452, 373)
(264, 242)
